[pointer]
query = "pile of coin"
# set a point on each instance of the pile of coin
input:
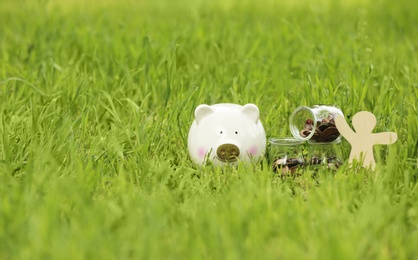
(290, 165)
(325, 130)
(287, 165)
(331, 162)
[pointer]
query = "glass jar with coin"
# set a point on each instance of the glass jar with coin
(316, 123)
(286, 155)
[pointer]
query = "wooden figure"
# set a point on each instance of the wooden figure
(362, 139)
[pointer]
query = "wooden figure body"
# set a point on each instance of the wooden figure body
(362, 139)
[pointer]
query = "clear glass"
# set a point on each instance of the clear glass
(326, 154)
(315, 123)
(286, 154)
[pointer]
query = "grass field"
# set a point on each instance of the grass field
(97, 98)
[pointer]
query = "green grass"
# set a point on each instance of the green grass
(97, 98)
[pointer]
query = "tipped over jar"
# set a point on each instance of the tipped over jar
(316, 123)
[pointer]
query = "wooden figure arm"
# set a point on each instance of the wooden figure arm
(385, 138)
(344, 129)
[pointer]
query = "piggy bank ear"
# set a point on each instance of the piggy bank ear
(201, 112)
(252, 111)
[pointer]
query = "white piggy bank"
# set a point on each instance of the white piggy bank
(226, 133)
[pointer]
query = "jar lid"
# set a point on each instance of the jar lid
(301, 114)
(288, 141)
(336, 141)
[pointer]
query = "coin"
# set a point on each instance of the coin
(322, 134)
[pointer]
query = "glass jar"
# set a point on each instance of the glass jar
(316, 123)
(326, 154)
(286, 155)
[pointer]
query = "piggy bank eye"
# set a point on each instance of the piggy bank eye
(236, 132)
(221, 132)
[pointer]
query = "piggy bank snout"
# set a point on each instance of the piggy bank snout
(227, 152)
